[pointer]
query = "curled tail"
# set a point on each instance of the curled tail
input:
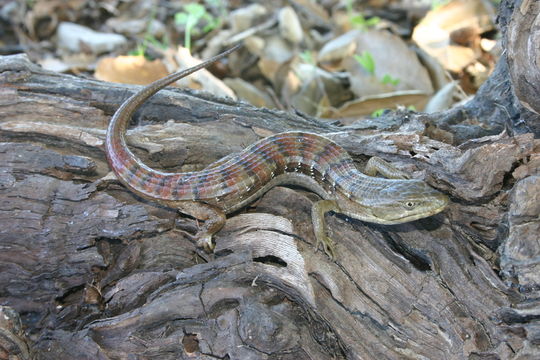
(127, 167)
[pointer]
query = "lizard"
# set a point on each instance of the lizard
(296, 158)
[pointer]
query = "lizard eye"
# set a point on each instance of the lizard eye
(410, 204)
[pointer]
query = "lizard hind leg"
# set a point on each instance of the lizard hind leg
(318, 210)
(213, 217)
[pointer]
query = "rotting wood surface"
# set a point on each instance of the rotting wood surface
(97, 273)
(94, 270)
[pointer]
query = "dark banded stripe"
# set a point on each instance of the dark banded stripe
(310, 154)
(194, 190)
(130, 172)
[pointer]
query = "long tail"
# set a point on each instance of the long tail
(120, 158)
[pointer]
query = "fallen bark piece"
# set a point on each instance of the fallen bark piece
(430, 288)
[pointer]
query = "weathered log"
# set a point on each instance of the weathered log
(97, 273)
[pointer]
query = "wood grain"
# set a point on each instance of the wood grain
(96, 272)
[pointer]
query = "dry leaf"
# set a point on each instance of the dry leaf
(130, 70)
(458, 22)
(396, 67)
(367, 105)
(202, 79)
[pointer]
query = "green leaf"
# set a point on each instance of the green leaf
(358, 20)
(152, 40)
(139, 51)
(366, 61)
(388, 79)
(181, 18)
(307, 57)
(211, 22)
(193, 13)
(378, 112)
(373, 21)
(194, 9)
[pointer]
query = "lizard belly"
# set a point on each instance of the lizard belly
(294, 179)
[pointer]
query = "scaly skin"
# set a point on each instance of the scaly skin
(294, 158)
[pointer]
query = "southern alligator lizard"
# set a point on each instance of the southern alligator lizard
(296, 158)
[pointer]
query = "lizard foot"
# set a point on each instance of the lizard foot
(328, 246)
(376, 165)
(204, 241)
(213, 218)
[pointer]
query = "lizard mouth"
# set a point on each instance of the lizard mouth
(412, 217)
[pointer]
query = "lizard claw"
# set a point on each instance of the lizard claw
(328, 247)
(205, 241)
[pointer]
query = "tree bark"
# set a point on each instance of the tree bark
(97, 273)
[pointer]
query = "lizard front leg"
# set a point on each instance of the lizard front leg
(213, 217)
(376, 165)
(317, 217)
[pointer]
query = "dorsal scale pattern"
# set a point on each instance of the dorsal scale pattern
(289, 153)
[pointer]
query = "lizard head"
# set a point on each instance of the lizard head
(397, 201)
